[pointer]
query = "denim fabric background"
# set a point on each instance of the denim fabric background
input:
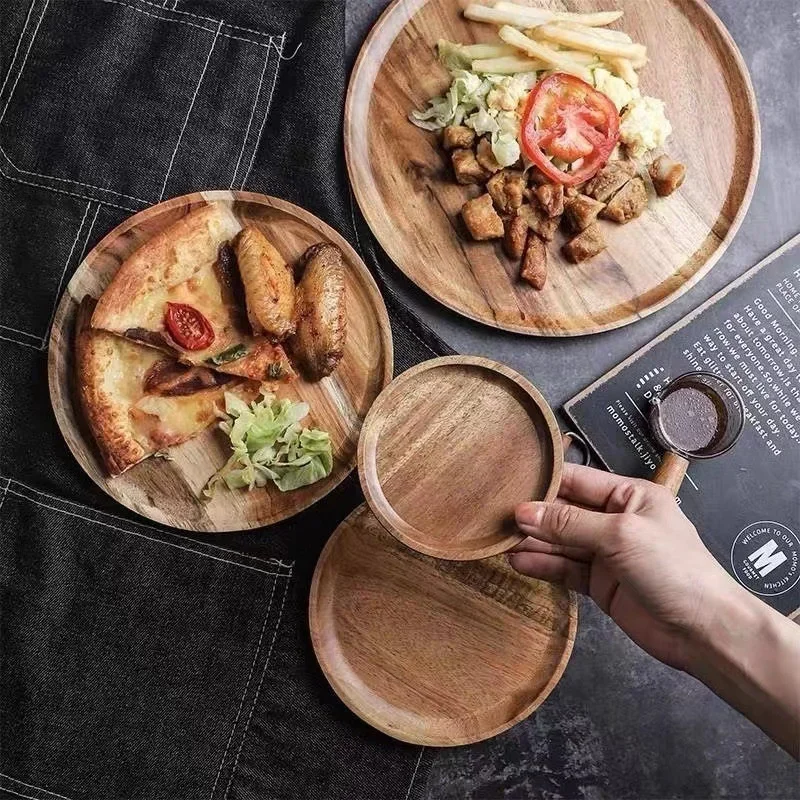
(136, 662)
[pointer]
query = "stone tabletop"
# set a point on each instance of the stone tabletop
(619, 724)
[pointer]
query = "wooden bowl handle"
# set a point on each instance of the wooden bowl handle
(671, 472)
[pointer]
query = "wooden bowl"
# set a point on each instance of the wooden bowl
(429, 651)
(169, 491)
(450, 447)
(403, 181)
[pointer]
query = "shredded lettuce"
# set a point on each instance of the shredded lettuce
(488, 104)
(269, 444)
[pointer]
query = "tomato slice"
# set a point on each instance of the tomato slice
(566, 118)
(188, 327)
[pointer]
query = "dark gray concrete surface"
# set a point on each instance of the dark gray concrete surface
(619, 724)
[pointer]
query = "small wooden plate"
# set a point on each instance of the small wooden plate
(403, 181)
(450, 447)
(434, 652)
(169, 491)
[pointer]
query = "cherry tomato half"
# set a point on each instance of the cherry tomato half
(568, 119)
(188, 327)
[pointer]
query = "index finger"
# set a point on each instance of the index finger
(589, 486)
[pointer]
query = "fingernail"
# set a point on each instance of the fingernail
(529, 515)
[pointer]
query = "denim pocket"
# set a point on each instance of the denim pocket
(132, 657)
(126, 102)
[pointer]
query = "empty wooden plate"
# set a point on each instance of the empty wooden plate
(450, 447)
(429, 651)
(169, 491)
(404, 185)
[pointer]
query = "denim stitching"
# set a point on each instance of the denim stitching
(66, 266)
(2, 500)
(266, 113)
(414, 774)
(65, 191)
(18, 341)
(16, 49)
(24, 333)
(189, 112)
(30, 786)
(24, 60)
(69, 180)
(269, 562)
(250, 121)
(135, 533)
(246, 688)
(207, 19)
(258, 692)
(64, 271)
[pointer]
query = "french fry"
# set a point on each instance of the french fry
(551, 57)
(482, 51)
(597, 19)
(508, 65)
(498, 16)
(603, 33)
(589, 43)
(623, 68)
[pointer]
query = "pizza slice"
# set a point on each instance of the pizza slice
(182, 292)
(138, 401)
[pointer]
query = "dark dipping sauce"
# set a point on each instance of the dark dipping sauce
(690, 419)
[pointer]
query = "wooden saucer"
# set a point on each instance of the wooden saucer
(450, 447)
(429, 651)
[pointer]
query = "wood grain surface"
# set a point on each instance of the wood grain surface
(169, 491)
(429, 651)
(448, 450)
(403, 183)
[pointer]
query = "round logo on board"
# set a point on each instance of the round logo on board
(765, 557)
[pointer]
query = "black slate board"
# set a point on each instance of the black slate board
(745, 504)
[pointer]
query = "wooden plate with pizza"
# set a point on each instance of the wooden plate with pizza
(213, 358)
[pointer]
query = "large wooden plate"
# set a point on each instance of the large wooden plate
(403, 184)
(169, 491)
(450, 447)
(429, 651)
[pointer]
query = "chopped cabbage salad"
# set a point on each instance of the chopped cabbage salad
(269, 444)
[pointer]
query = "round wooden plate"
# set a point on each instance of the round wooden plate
(429, 651)
(169, 491)
(403, 182)
(450, 447)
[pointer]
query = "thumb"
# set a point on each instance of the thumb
(564, 524)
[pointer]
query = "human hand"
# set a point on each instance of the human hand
(626, 543)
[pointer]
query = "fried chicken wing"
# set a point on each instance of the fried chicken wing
(268, 284)
(318, 344)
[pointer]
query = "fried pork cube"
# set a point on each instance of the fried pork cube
(506, 188)
(551, 198)
(482, 221)
(628, 203)
(534, 262)
(515, 236)
(581, 211)
(667, 175)
(537, 177)
(537, 220)
(571, 191)
(486, 157)
(467, 168)
(458, 137)
(611, 178)
(586, 244)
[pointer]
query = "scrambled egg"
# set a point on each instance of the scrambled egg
(615, 88)
(644, 125)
